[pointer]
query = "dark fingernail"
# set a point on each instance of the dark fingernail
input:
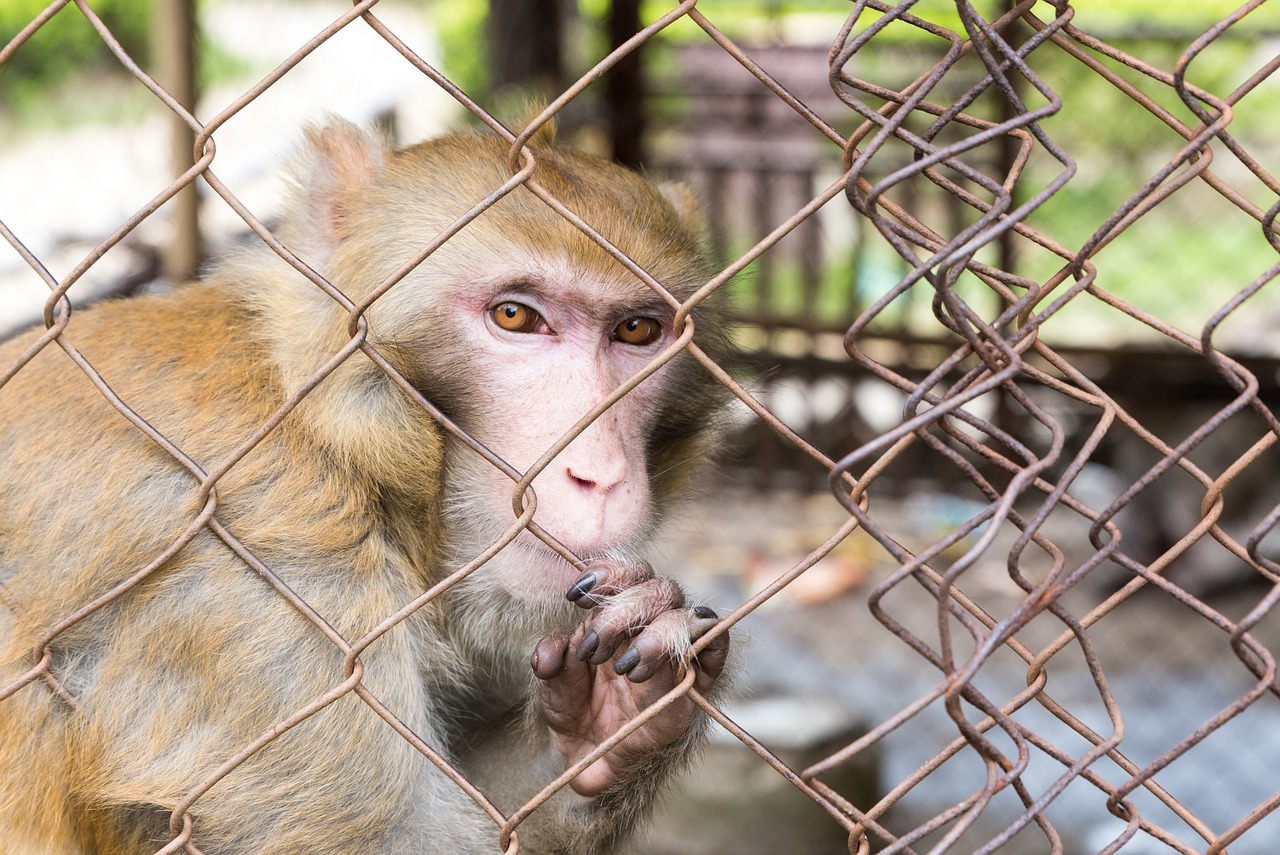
(585, 583)
(626, 661)
(602, 654)
(588, 645)
(705, 612)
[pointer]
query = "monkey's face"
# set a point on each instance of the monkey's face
(545, 345)
(518, 327)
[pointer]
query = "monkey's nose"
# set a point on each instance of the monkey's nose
(596, 481)
(590, 486)
(584, 484)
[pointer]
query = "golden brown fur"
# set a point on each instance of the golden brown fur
(357, 500)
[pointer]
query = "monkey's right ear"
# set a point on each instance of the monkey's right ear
(686, 206)
(339, 161)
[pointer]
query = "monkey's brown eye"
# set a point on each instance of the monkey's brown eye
(516, 317)
(638, 331)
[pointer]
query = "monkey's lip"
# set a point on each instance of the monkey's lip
(554, 565)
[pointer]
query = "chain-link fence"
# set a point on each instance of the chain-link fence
(1046, 241)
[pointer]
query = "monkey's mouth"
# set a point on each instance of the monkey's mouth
(539, 565)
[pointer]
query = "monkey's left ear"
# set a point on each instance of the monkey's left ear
(339, 161)
(686, 206)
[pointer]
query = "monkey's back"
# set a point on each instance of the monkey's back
(88, 501)
(82, 486)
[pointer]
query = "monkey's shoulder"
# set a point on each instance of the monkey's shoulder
(191, 340)
(187, 363)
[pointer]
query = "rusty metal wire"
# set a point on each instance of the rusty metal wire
(1018, 468)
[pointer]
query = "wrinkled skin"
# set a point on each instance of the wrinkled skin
(617, 662)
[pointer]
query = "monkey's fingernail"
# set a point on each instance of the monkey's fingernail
(705, 612)
(585, 583)
(588, 645)
(626, 661)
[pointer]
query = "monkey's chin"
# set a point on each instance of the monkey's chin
(530, 571)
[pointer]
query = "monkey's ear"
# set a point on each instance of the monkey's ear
(339, 162)
(686, 206)
(545, 136)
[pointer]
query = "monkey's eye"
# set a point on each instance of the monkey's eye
(516, 317)
(638, 331)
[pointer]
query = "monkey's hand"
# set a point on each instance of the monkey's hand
(587, 692)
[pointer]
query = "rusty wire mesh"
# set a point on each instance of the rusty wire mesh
(1025, 745)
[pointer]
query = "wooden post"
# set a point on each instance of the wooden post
(526, 45)
(624, 87)
(173, 43)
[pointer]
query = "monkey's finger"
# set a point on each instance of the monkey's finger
(666, 639)
(548, 657)
(606, 577)
(661, 643)
(625, 614)
(711, 660)
(564, 690)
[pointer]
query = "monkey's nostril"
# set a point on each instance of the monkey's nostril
(593, 486)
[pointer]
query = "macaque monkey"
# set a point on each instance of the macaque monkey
(359, 501)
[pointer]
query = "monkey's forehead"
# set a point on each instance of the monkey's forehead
(523, 232)
(477, 154)
(467, 168)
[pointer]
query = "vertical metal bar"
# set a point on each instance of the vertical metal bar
(717, 229)
(173, 41)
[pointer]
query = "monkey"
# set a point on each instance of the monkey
(284, 467)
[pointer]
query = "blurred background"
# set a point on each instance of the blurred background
(83, 145)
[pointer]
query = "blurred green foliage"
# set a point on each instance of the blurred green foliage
(460, 32)
(64, 73)
(66, 45)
